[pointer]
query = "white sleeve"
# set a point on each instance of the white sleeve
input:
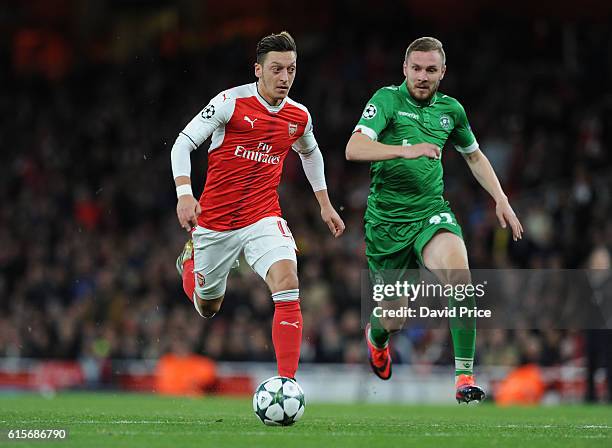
(312, 159)
(314, 168)
(180, 156)
(217, 113)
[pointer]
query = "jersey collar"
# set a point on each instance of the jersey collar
(404, 89)
(264, 103)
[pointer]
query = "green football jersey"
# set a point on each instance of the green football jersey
(405, 190)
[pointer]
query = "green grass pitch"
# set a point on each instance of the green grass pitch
(130, 420)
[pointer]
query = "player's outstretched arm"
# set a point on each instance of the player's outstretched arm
(312, 162)
(216, 113)
(361, 148)
(314, 169)
(187, 207)
(485, 175)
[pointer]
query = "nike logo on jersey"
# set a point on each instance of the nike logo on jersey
(293, 324)
(252, 122)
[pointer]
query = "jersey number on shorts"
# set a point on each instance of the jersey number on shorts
(284, 229)
(442, 218)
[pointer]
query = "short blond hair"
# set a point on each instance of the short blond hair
(426, 44)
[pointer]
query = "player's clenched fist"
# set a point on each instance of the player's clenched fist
(187, 210)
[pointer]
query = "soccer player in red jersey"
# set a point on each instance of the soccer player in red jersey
(253, 127)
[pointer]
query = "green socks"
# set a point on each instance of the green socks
(378, 335)
(463, 332)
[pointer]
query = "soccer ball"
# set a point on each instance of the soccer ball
(279, 401)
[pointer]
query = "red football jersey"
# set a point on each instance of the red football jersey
(250, 140)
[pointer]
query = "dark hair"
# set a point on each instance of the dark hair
(426, 44)
(274, 42)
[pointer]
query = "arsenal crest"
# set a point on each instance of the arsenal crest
(292, 129)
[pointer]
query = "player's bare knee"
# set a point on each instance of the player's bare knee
(282, 276)
(286, 282)
(209, 308)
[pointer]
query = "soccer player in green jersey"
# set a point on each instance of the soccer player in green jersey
(408, 222)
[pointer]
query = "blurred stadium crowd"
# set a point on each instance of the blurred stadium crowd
(89, 237)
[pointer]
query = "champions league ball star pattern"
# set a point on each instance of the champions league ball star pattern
(279, 401)
(369, 112)
(208, 112)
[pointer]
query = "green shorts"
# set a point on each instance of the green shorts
(399, 246)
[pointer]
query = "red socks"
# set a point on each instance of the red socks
(188, 279)
(286, 325)
(287, 332)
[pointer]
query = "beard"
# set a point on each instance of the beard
(272, 91)
(422, 94)
(267, 93)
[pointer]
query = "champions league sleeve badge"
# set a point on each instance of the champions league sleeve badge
(369, 112)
